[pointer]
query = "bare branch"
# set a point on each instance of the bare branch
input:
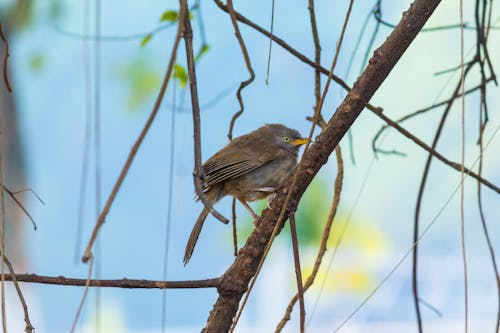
(235, 234)
(88, 251)
(422, 111)
(247, 63)
(198, 174)
(120, 283)
(12, 195)
(29, 327)
(432, 151)
(298, 271)
(5, 59)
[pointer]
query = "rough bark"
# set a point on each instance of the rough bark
(234, 282)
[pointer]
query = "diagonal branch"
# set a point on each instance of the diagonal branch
(235, 281)
(434, 153)
(126, 167)
(12, 277)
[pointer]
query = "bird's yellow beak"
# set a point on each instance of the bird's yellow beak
(299, 142)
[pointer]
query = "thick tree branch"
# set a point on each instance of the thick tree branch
(235, 281)
(120, 283)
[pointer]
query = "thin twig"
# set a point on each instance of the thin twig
(462, 170)
(29, 327)
(88, 251)
(31, 191)
(97, 155)
(247, 63)
(107, 38)
(430, 307)
(270, 43)
(419, 112)
(169, 205)
(86, 135)
(84, 296)
(483, 119)
(317, 54)
(433, 153)
(20, 205)
(377, 11)
(324, 240)
(235, 234)
(198, 174)
(118, 283)
(298, 271)
(356, 45)
(420, 197)
(5, 59)
(452, 69)
(2, 231)
(483, 220)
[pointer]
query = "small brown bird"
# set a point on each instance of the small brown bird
(250, 167)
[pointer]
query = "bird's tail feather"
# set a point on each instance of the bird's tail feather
(195, 233)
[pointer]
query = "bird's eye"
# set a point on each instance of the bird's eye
(286, 139)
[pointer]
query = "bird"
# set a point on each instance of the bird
(250, 167)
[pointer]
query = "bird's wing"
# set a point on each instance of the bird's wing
(232, 163)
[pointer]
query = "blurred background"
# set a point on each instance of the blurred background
(52, 69)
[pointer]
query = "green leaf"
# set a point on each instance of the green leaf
(204, 49)
(180, 73)
(141, 79)
(37, 62)
(146, 40)
(169, 15)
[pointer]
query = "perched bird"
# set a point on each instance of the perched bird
(249, 168)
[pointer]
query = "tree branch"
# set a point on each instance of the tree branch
(198, 174)
(235, 281)
(133, 151)
(5, 59)
(119, 283)
(434, 153)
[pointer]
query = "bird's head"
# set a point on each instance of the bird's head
(286, 138)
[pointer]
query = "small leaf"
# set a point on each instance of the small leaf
(37, 62)
(146, 40)
(180, 73)
(204, 49)
(141, 79)
(169, 15)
